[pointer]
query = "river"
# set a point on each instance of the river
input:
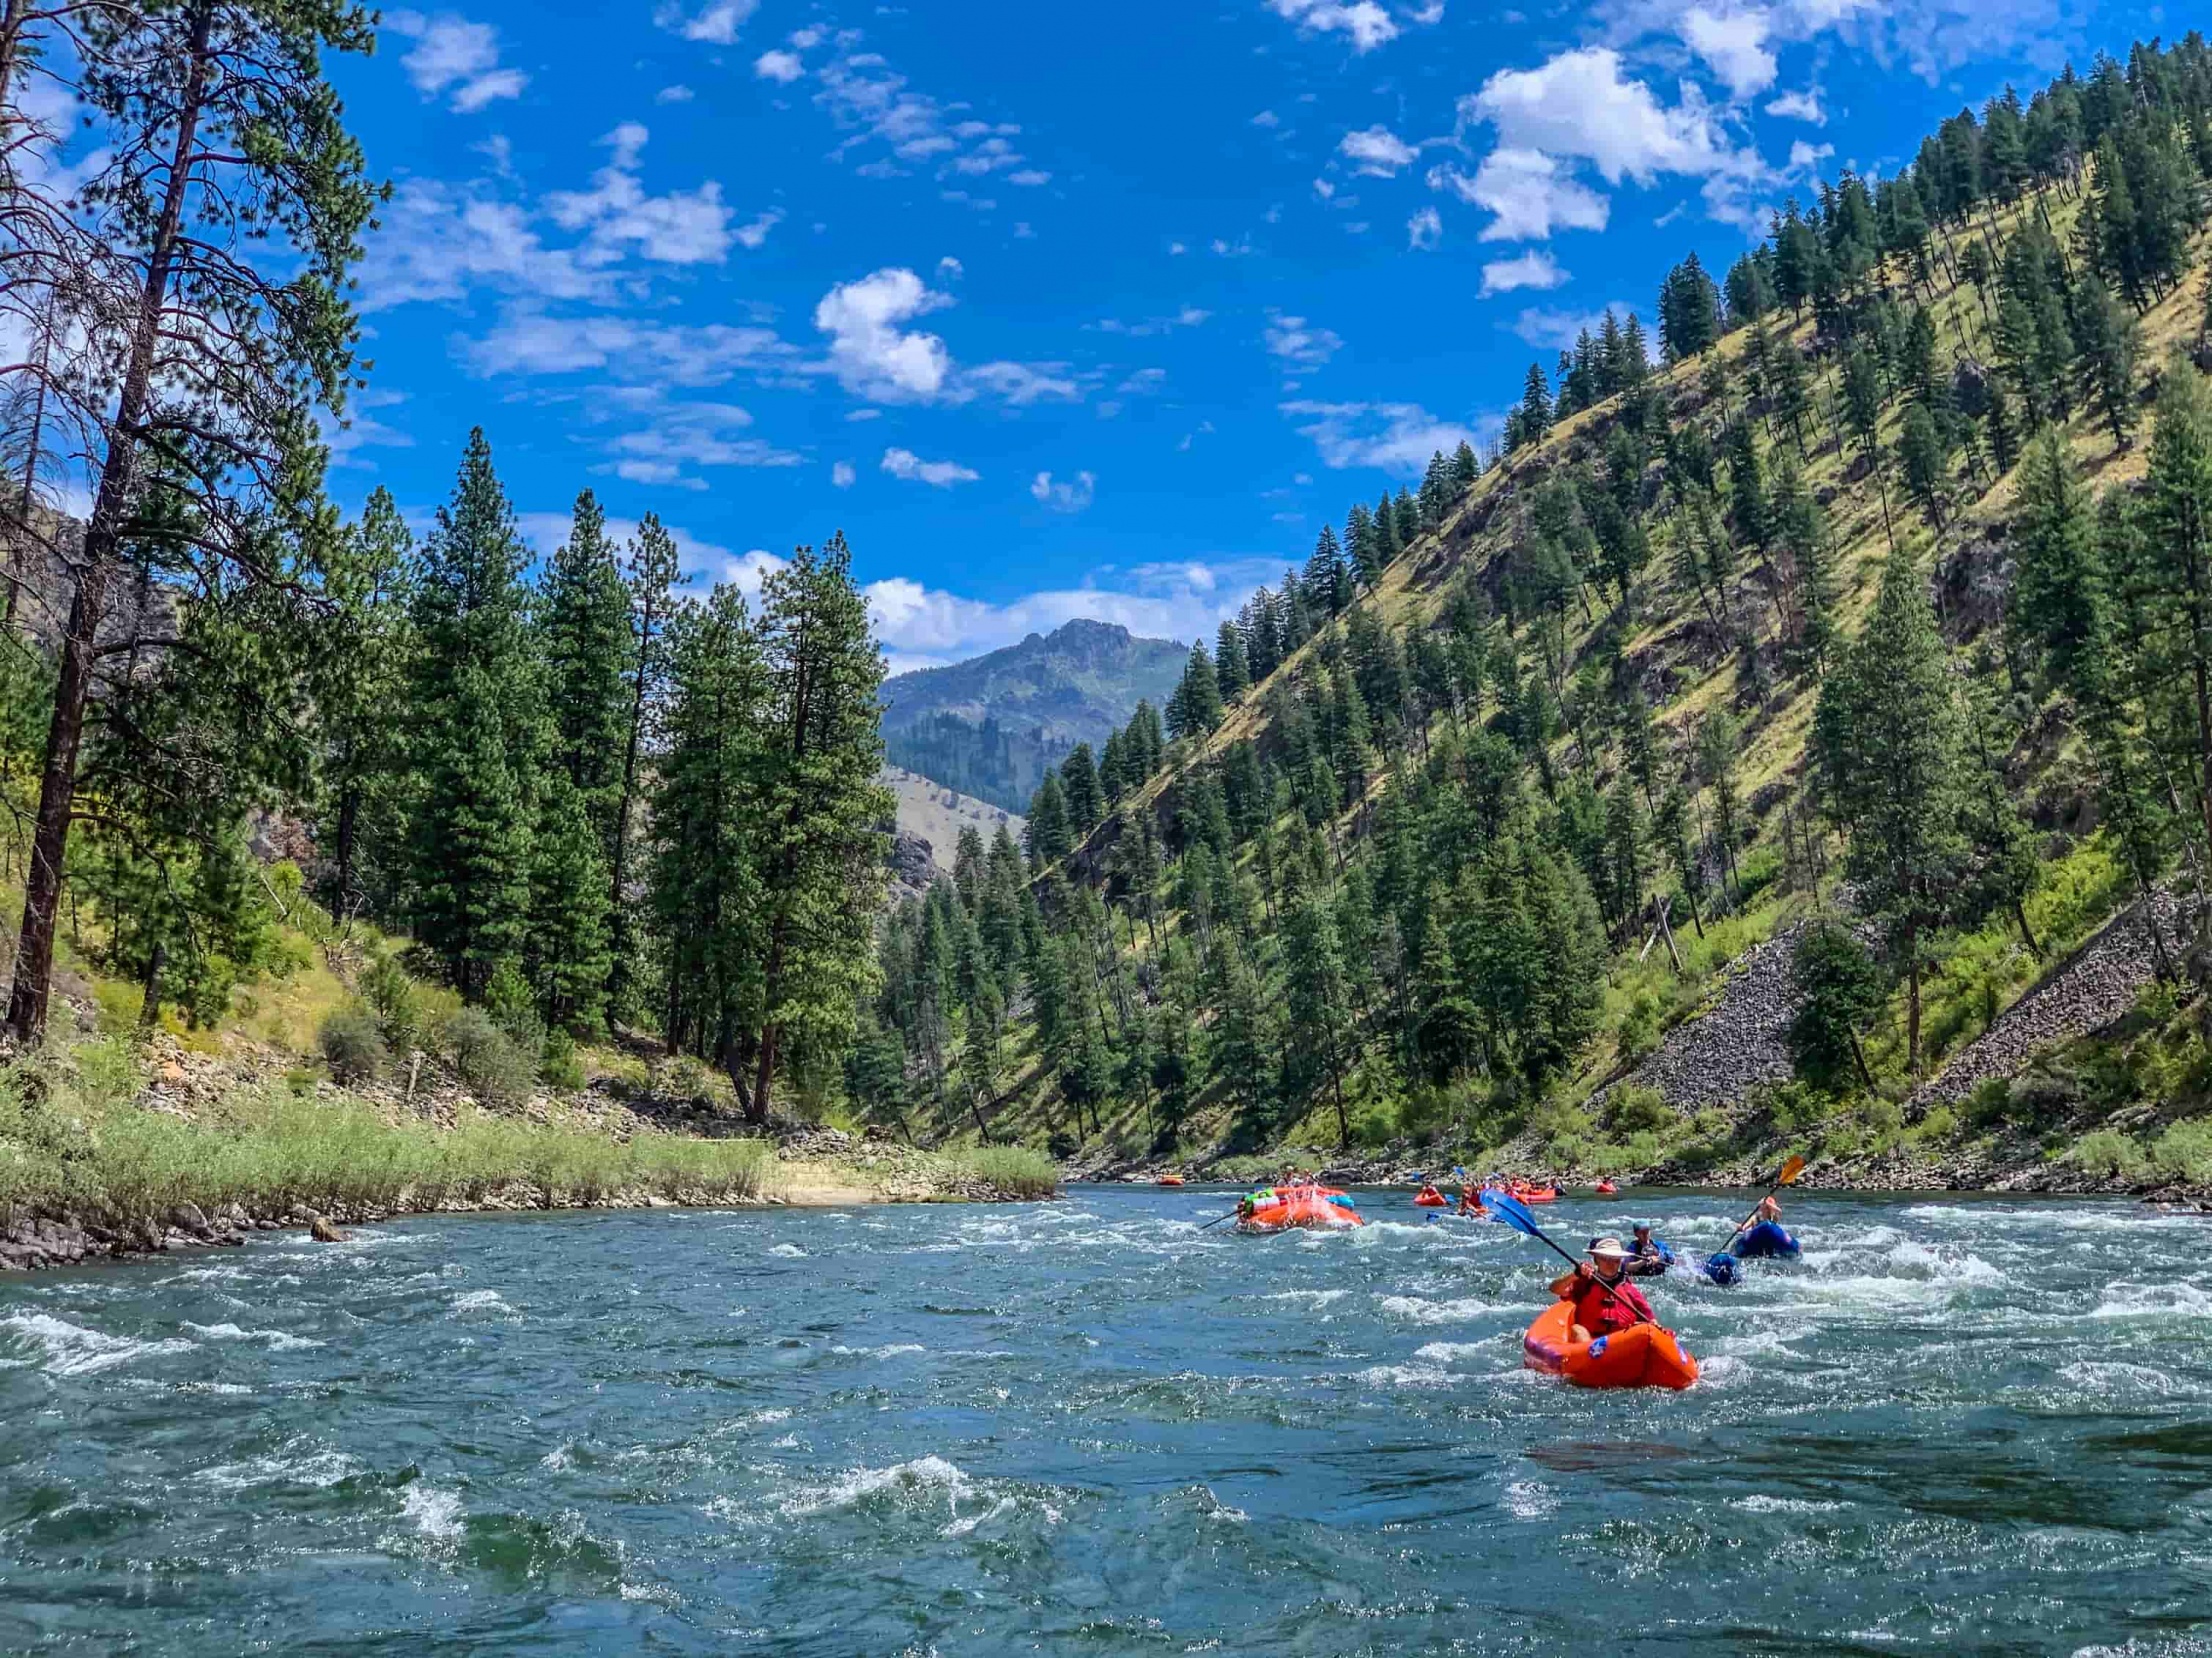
(1959, 1426)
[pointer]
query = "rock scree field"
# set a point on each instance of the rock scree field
(1959, 1425)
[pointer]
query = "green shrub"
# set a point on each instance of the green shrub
(2108, 1154)
(352, 1044)
(1990, 1103)
(1939, 1125)
(1631, 1110)
(559, 1066)
(489, 1061)
(2184, 1152)
(393, 997)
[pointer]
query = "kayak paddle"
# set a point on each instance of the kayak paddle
(1721, 1266)
(1514, 1213)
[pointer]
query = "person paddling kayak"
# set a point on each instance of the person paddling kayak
(1604, 1300)
(1648, 1257)
(1769, 1213)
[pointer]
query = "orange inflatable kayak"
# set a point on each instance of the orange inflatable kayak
(1646, 1356)
(1171, 1180)
(1301, 1206)
(1428, 1197)
(1605, 1188)
(1536, 1194)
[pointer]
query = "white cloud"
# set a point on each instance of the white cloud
(1534, 269)
(864, 95)
(1070, 495)
(1425, 229)
(1531, 195)
(437, 241)
(675, 436)
(1579, 104)
(870, 352)
(779, 66)
(1022, 384)
(1733, 44)
(1190, 316)
(1267, 118)
(1299, 343)
(530, 341)
(681, 228)
(842, 475)
(1805, 157)
(715, 24)
(1799, 106)
(1366, 22)
(753, 235)
(951, 269)
(1377, 152)
(905, 464)
(454, 56)
(1541, 326)
(1394, 437)
(674, 95)
(1029, 178)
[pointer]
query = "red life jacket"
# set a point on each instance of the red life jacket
(1597, 1312)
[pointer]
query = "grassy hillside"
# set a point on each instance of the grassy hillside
(1717, 649)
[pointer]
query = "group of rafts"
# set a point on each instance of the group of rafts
(1634, 1351)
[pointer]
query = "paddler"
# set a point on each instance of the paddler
(1648, 1257)
(1768, 1210)
(1470, 1200)
(1604, 1300)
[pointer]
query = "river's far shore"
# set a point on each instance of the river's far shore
(34, 1238)
(1992, 1171)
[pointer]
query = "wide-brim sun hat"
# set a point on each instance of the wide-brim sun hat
(1608, 1249)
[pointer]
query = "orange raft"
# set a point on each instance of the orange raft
(1428, 1197)
(1171, 1180)
(1534, 1194)
(1646, 1356)
(1292, 1207)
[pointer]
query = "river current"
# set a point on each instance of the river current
(1958, 1426)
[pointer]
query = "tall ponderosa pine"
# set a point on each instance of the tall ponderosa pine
(362, 671)
(478, 732)
(652, 579)
(822, 857)
(220, 133)
(1887, 742)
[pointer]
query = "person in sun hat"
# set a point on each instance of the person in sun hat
(1604, 1300)
(1648, 1256)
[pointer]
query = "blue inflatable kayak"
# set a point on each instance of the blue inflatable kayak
(1766, 1241)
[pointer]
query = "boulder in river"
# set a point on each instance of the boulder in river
(322, 1231)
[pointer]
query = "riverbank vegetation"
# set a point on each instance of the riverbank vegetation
(1864, 620)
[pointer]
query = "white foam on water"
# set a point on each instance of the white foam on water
(1314, 1298)
(315, 1469)
(997, 1511)
(1760, 1503)
(73, 1350)
(2169, 1299)
(2114, 1378)
(892, 1351)
(1406, 1375)
(559, 1459)
(277, 1341)
(924, 1476)
(483, 1301)
(1417, 1310)
(788, 1251)
(766, 1417)
(437, 1514)
(1450, 1352)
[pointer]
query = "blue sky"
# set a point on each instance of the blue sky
(1062, 310)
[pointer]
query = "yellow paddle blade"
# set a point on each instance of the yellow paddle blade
(1790, 1171)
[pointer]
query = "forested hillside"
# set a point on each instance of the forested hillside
(1872, 617)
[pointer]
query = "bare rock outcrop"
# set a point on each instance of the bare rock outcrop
(1735, 1046)
(2089, 992)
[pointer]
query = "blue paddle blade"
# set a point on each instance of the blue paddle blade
(1721, 1269)
(1512, 1211)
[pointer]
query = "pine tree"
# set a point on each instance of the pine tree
(1920, 456)
(1231, 671)
(1079, 781)
(1887, 741)
(584, 619)
(2057, 590)
(653, 572)
(479, 732)
(1048, 833)
(1195, 709)
(362, 671)
(2107, 336)
(822, 860)
(1316, 1005)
